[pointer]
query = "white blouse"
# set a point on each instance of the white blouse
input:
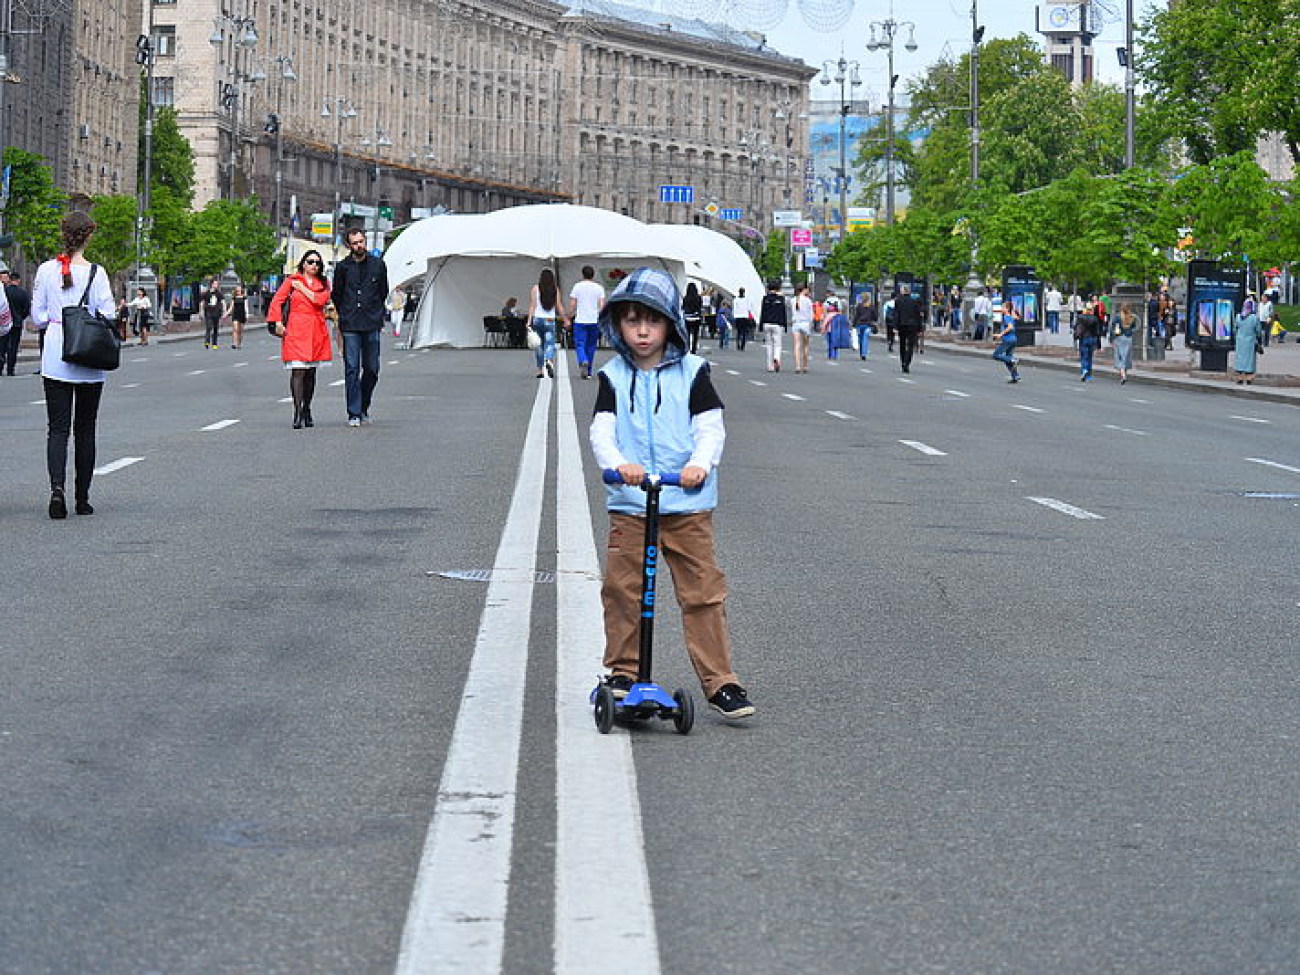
(49, 298)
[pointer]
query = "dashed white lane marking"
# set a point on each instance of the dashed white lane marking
(904, 379)
(793, 396)
(924, 448)
(272, 358)
(733, 372)
(838, 415)
(1134, 399)
(219, 425)
(337, 382)
(1027, 409)
(596, 803)
(285, 399)
(179, 355)
(116, 465)
(866, 370)
(1136, 433)
(143, 358)
(393, 362)
(1067, 509)
(240, 365)
(957, 392)
(757, 382)
(1249, 419)
(196, 372)
(38, 402)
(129, 386)
(456, 920)
(1273, 463)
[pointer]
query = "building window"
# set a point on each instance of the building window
(164, 42)
(164, 92)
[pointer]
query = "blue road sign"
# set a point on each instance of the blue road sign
(676, 194)
(728, 214)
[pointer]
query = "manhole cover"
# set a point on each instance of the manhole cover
(485, 575)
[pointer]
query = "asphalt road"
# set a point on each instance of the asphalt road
(1024, 658)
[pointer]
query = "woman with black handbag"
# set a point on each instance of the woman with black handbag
(72, 392)
(298, 316)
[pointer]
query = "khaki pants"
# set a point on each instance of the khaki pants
(686, 545)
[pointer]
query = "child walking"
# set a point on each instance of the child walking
(657, 412)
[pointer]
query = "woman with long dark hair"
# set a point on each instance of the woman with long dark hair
(72, 393)
(237, 312)
(544, 310)
(693, 312)
(297, 313)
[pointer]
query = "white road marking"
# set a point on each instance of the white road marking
(866, 370)
(793, 396)
(924, 448)
(129, 386)
(179, 355)
(143, 358)
(1273, 463)
(196, 372)
(240, 365)
(838, 415)
(219, 425)
(757, 382)
(272, 358)
(904, 379)
(38, 402)
(1136, 433)
(285, 399)
(957, 392)
(456, 920)
(1066, 509)
(1134, 399)
(733, 372)
(597, 808)
(337, 382)
(393, 362)
(116, 465)
(1250, 419)
(1027, 409)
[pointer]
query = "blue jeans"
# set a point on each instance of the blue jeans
(1087, 346)
(864, 340)
(360, 369)
(545, 327)
(1053, 321)
(1006, 354)
(584, 341)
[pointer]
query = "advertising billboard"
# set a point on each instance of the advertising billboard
(1214, 294)
(1023, 288)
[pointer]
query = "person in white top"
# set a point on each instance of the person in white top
(1055, 303)
(545, 311)
(742, 317)
(72, 392)
(981, 309)
(586, 299)
(801, 327)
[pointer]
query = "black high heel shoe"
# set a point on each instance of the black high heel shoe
(83, 508)
(306, 417)
(297, 419)
(58, 505)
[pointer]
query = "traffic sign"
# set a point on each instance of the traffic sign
(786, 218)
(800, 237)
(676, 194)
(731, 213)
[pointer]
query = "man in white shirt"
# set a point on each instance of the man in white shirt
(982, 308)
(1054, 304)
(586, 299)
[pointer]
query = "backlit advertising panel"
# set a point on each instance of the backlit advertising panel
(1214, 294)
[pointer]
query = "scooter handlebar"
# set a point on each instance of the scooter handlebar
(611, 476)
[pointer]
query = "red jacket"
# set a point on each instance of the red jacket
(306, 333)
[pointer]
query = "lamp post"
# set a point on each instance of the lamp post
(377, 141)
(888, 30)
(343, 109)
(845, 72)
(144, 275)
(275, 126)
(243, 33)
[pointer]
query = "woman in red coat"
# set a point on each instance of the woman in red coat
(304, 329)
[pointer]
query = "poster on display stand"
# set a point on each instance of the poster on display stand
(1024, 289)
(1214, 294)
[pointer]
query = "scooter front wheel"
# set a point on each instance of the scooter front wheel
(603, 711)
(684, 716)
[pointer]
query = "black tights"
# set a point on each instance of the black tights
(71, 407)
(302, 387)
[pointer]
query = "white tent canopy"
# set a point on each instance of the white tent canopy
(712, 258)
(472, 263)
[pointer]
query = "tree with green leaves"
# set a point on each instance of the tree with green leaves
(1223, 73)
(771, 262)
(1233, 209)
(113, 244)
(226, 233)
(35, 205)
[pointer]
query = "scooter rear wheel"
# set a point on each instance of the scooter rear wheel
(603, 711)
(684, 716)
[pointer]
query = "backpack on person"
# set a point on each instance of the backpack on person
(772, 311)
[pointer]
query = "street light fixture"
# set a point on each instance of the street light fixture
(274, 126)
(343, 109)
(888, 30)
(845, 72)
(243, 34)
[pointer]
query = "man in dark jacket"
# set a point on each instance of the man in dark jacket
(360, 291)
(20, 306)
(908, 320)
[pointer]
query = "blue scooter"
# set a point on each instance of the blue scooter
(645, 699)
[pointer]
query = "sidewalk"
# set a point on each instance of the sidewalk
(1278, 378)
(29, 350)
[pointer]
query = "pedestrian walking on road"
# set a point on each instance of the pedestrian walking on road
(298, 313)
(237, 312)
(722, 321)
(20, 309)
(213, 309)
(742, 315)
(773, 318)
(981, 311)
(1087, 326)
(908, 324)
(1247, 342)
(658, 412)
(360, 291)
(836, 326)
(141, 315)
(586, 299)
(693, 310)
(72, 393)
(544, 314)
(864, 322)
(1055, 305)
(1006, 339)
(1122, 330)
(801, 326)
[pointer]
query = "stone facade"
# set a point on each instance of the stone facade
(478, 105)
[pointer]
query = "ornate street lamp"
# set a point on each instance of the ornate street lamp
(888, 31)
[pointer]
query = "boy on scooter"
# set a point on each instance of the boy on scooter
(657, 412)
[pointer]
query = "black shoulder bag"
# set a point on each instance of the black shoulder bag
(89, 339)
(284, 315)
